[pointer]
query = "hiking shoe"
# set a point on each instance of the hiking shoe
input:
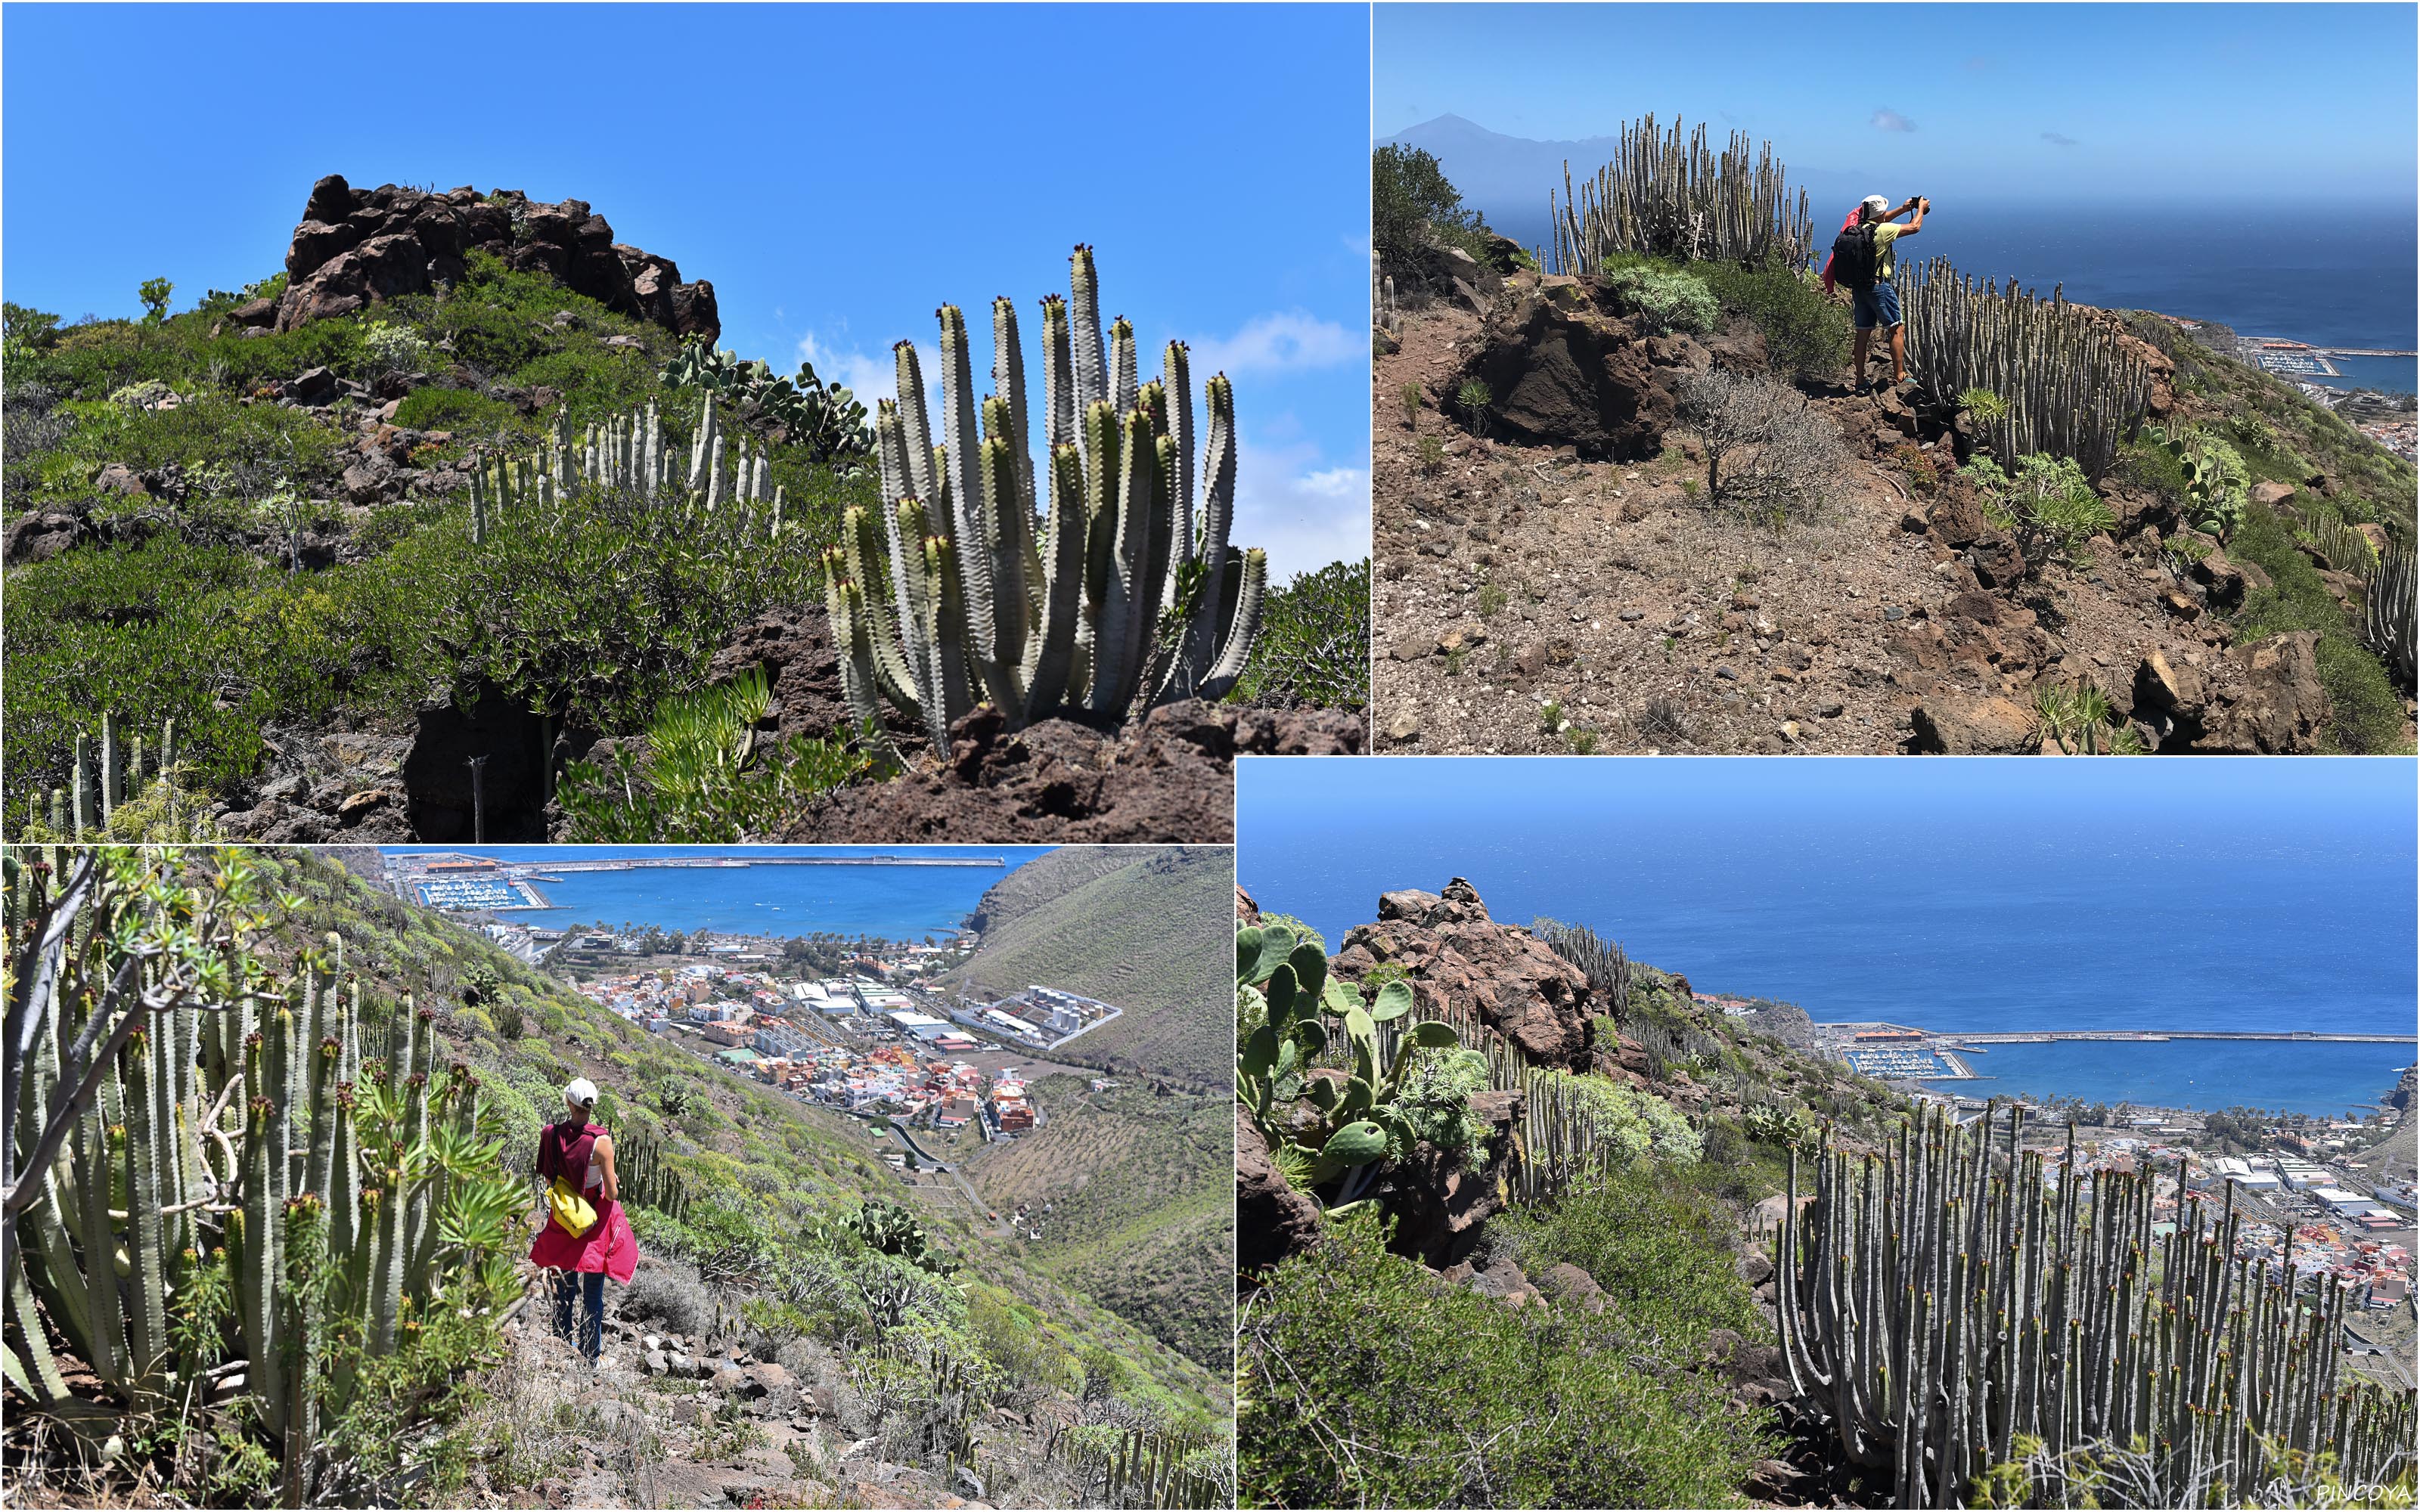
(1862, 388)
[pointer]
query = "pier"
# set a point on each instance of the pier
(2157, 1036)
(734, 863)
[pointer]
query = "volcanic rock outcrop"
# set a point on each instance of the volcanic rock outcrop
(357, 247)
(1455, 956)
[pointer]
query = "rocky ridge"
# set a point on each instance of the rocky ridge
(1553, 583)
(355, 248)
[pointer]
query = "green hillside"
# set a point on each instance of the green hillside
(756, 1164)
(1141, 1214)
(1148, 936)
(762, 1254)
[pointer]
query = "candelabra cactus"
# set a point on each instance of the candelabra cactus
(627, 454)
(1131, 597)
(1666, 197)
(1939, 1302)
(2386, 615)
(2068, 384)
(139, 1027)
(1324, 1128)
(107, 776)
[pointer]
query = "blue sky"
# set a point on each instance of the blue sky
(837, 172)
(2119, 102)
(2306, 796)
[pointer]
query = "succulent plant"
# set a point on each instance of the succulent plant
(1128, 595)
(1340, 1124)
(2217, 484)
(2387, 616)
(2065, 383)
(135, 1048)
(1939, 1302)
(1667, 197)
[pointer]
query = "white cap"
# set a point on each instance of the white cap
(581, 1093)
(1874, 203)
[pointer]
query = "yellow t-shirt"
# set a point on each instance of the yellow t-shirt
(1884, 234)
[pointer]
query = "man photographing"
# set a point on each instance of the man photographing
(1861, 258)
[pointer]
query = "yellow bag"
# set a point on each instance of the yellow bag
(568, 1209)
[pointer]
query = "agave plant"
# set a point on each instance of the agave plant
(1126, 597)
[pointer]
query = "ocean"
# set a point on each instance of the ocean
(2326, 276)
(1951, 905)
(898, 903)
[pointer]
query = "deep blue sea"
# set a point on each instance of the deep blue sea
(1984, 896)
(899, 903)
(2325, 276)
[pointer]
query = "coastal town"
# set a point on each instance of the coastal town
(872, 1039)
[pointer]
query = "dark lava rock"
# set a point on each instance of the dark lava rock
(1169, 779)
(1454, 955)
(358, 247)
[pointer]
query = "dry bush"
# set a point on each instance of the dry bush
(1771, 456)
(665, 1294)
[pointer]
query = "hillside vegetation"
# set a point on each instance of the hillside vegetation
(748, 1209)
(1145, 936)
(1141, 1216)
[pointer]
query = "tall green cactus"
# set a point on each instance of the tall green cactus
(2068, 385)
(1939, 1302)
(1131, 597)
(1670, 196)
(118, 1161)
(2386, 615)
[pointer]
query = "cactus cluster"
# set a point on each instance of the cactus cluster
(223, 1120)
(1670, 196)
(1943, 1301)
(111, 774)
(2068, 384)
(648, 1179)
(1333, 1128)
(825, 418)
(627, 454)
(1128, 596)
(2387, 616)
(1143, 1467)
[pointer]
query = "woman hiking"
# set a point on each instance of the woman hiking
(582, 1154)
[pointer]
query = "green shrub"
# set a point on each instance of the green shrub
(1806, 335)
(1411, 204)
(1657, 1243)
(2365, 714)
(1314, 647)
(1637, 1121)
(1669, 301)
(1450, 1398)
(2048, 504)
(463, 412)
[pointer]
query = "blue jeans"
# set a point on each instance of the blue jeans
(578, 1286)
(1875, 306)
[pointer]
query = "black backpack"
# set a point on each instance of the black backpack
(1855, 262)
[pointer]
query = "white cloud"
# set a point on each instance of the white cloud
(1304, 516)
(868, 377)
(1286, 342)
(1891, 121)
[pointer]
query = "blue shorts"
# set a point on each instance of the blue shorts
(1875, 306)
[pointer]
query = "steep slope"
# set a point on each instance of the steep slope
(1537, 597)
(1139, 1217)
(720, 1280)
(1145, 935)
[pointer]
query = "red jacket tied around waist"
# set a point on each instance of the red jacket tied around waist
(563, 1149)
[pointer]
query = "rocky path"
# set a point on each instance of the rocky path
(671, 1420)
(1528, 600)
